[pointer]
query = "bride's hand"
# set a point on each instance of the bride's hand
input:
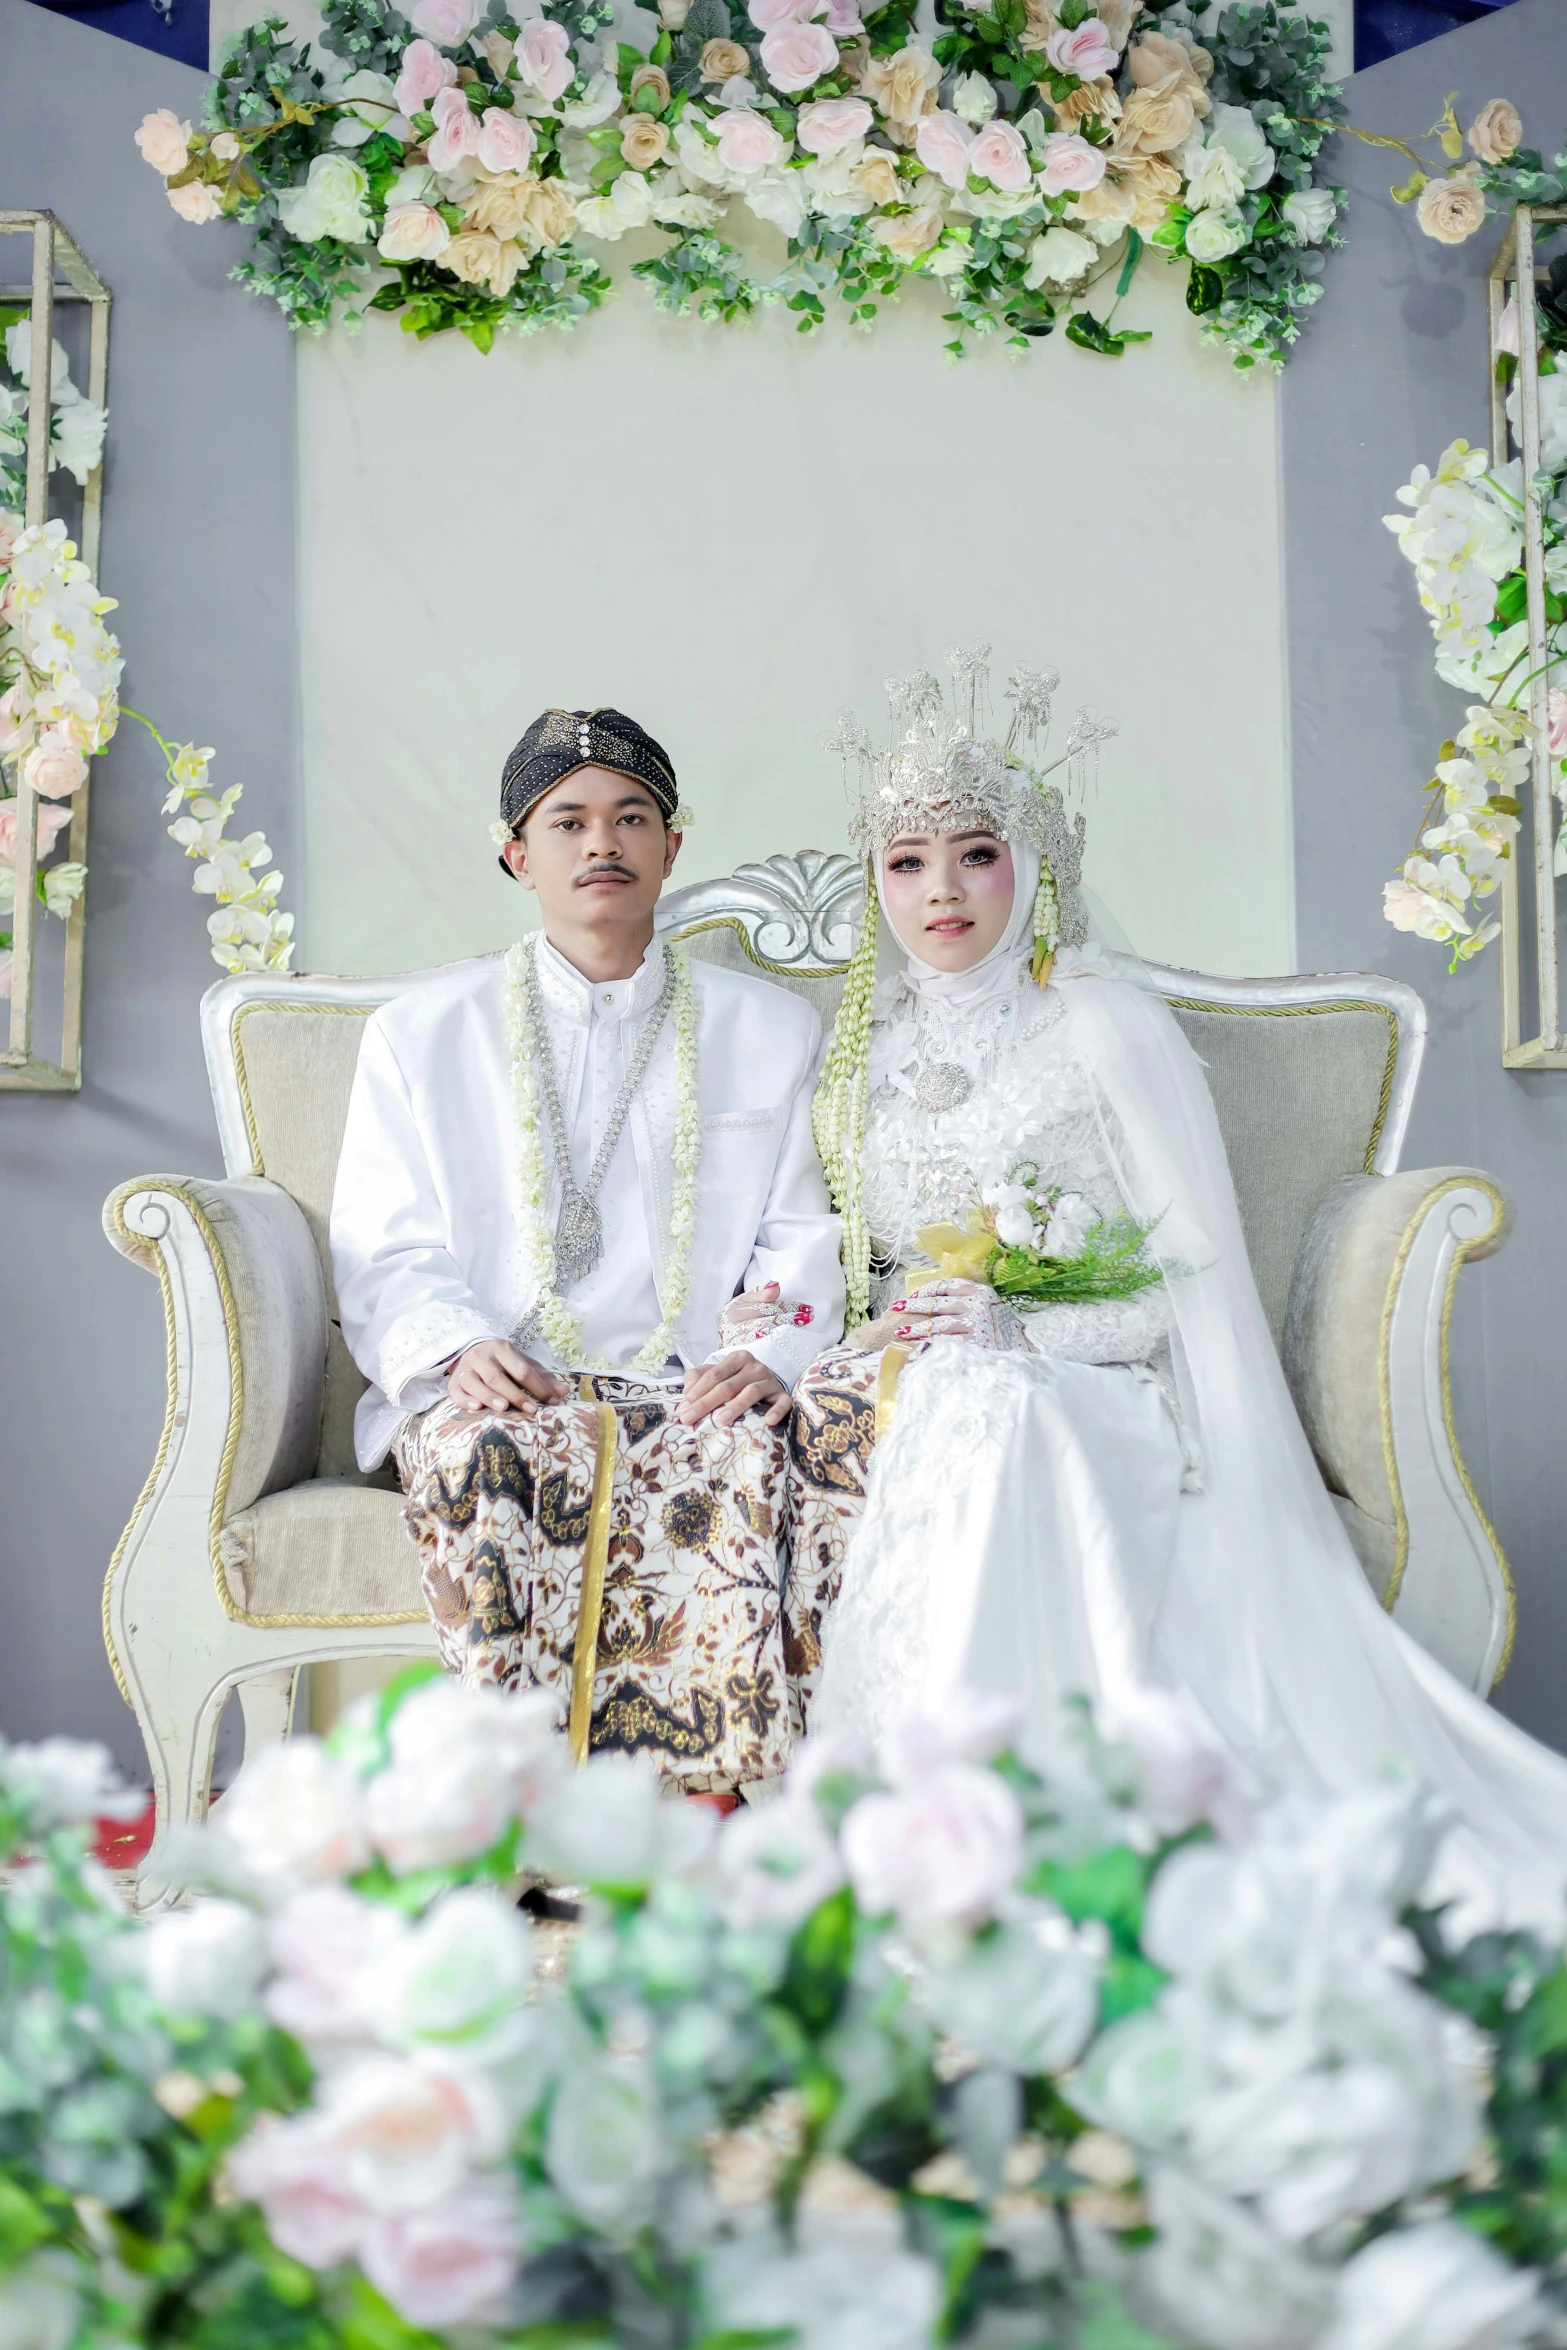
(954, 1309)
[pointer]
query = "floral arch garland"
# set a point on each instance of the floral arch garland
(459, 166)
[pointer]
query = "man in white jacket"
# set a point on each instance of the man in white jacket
(582, 1249)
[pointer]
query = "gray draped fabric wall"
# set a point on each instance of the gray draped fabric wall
(198, 547)
(1392, 368)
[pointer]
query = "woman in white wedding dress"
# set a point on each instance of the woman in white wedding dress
(1102, 1497)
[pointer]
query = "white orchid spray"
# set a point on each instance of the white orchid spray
(937, 2046)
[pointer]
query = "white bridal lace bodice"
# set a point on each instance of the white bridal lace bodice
(1031, 1102)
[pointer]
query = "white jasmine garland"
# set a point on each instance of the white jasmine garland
(556, 1322)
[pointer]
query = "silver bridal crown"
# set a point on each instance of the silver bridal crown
(945, 772)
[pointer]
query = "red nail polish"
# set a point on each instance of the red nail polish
(904, 1331)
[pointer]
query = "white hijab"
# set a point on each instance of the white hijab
(995, 971)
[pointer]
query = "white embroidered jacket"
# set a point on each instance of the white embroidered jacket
(426, 1225)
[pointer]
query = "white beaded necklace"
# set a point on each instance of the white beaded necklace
(550, 1317)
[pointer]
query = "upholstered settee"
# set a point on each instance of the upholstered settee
(257, 1548)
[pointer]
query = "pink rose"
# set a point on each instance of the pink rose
(831, 124)
(1000, 156)
(506, 140)
(10, 700)
(11, 527)
(1070, 163)
(51, 823)
(195, 202)
(424, 72)
(943, 145)
(747, 141)
(456, 132)
(413, 232)
(796, 55)
(844, 21)
(449, 2265)
(54, 767)
(946, 1845)
(1085, 49)
(767, 15)
(164, 141)
(327, 1943)
(544, 58)
(449, 22)
(295, 2173)
(1555, 730)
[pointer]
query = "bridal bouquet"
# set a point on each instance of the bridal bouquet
(1039, 1244)
(464, 164)
(936, 2047)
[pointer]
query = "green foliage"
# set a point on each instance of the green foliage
(1114, 1262)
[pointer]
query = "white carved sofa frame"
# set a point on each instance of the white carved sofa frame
(257, 1548)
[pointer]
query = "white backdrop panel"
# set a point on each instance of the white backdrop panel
(731, 533)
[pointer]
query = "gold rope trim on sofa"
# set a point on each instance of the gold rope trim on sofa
(762, 962)
(1463, 1251)
(590, 1602)
(218, 1512)
(1182, 1003)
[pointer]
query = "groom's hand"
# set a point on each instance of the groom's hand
(736, 1383)
(494, 1377)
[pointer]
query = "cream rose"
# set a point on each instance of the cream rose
(196, 202)
(653, 80)
(1495, 133)
(164, 141)
(413, 232)
(549, 212)
(643, 141)
(1090, 101)
(832, 124)
(876, 176)
(498, 206)
(902, 87)
(1158, 54)
(907, 235)
(794, 56)
(1450, 209)
(721, 61)
(1159, 116)
(481, 260)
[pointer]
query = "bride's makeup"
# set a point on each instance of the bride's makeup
(948, 895)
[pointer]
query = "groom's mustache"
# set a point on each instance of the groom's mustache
(603, 873)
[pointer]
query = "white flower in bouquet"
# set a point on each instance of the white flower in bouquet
(830, 186)
(1025, 1996)
(455, 1980)
(677, 207)
(833, 2292)
(1553, 420)
(406, 2131)
(1181, 1775)
(606, 2147)
(776, 1863)
(207, 1960)
(293, 1816)
(1214, 178)
(1310, 212)
(608, 1825)
(1214, 236)
(1070, 1221)
(779, 197)
(76, 441)
(464, 1766)
(331, 201)
(598, 102)
(974, 98)
(1436, 2286)
(41, 2301)
(1144, 2078)
(371, 104)
(1222, 2277)
(67, 1782)
(1236, 130)
(1013, 1203)
(1059, 258)
(328, 1945)
(630, 203)
(943, 1847)
(19, 358)
(454, 2263)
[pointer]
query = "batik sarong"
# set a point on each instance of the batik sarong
(681, 1563)
(832, 1432)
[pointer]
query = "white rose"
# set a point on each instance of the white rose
(465, 1765)
(1144, 2078)
(1311, 212)
(598, 102)
(412, 232)
(457, 1979)
(1182, 1775)
(206, 1960)
(974, 98)
(1056, 258)
(608, 1825)
(605, 2146)
(832, 2293)
(1223, 2278)
(1212, 236)
(294, 1816)
(414, 185)
(406, 2131)
(1026, 1997)
(41, 2301)
(372, 107)
(326, 1943)
(1070, 1222)
(776, 1863)
(946, 1846)
(1235, 129)
(1431, 2287)
(77, 438)
(1214, 178)
(329, 202)
(67, 1782)
(778, 197)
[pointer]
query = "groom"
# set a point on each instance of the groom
(561, 1170)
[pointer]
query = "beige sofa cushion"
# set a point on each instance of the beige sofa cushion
(329, 1551)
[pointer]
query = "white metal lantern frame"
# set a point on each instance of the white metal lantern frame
(60, 274)
(1531, 941)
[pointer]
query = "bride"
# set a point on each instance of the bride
(1098, 1485)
